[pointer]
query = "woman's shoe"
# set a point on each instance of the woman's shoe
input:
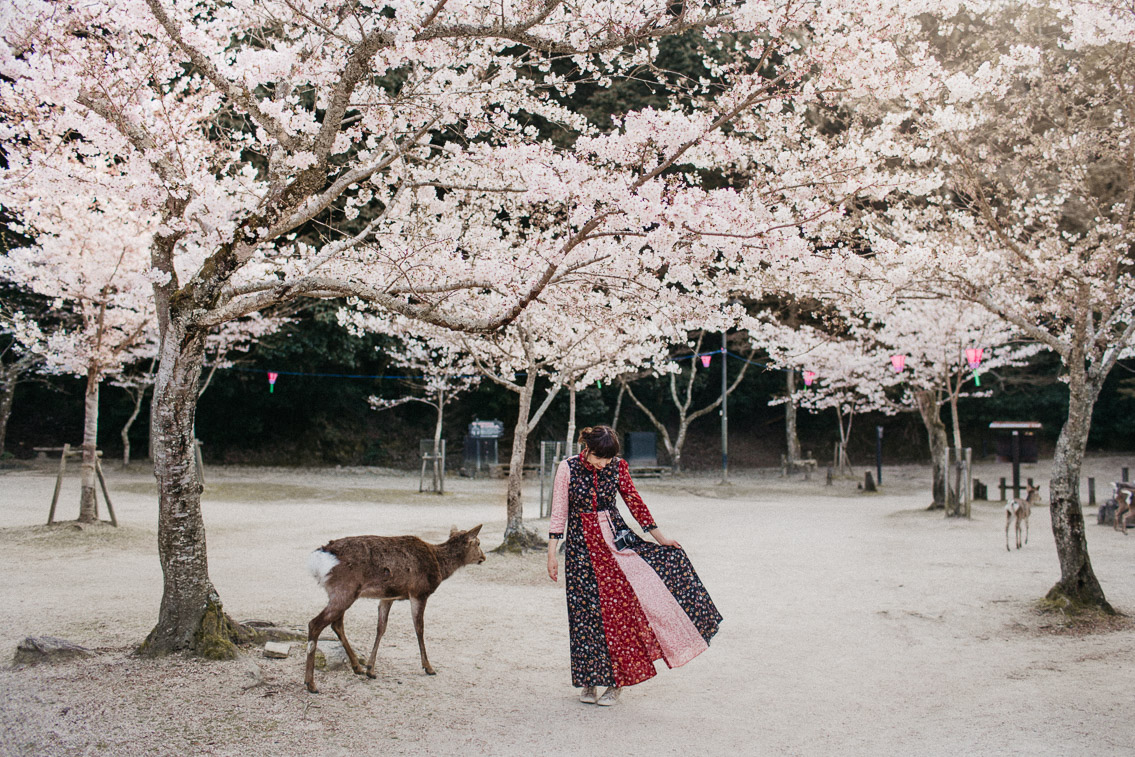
(610, 696)
(588, 695)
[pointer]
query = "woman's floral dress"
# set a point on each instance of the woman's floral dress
(626, 607)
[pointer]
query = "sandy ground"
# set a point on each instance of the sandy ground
(854, 624)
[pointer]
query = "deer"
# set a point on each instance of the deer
(387, 568)
(1123, 497)
(1020, 508)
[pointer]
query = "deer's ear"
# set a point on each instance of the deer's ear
(474, 531)
(453, 531)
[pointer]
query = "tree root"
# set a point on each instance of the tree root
(519, 540)
(215, 638)
(1074, 604)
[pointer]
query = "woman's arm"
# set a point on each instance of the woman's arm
(559, 516)
(638, 508)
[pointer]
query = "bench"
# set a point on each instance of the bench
(648, 471)
(808, 465)
(501, 470)
(41, 452)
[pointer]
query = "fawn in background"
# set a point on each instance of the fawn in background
(1123, 497)
(1020, 509)
(387, 568)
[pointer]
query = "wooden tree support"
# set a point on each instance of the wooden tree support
(65, 452)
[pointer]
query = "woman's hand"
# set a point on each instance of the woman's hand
(662, 538)
(553, 563)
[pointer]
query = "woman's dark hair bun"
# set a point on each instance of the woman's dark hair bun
(603, 441)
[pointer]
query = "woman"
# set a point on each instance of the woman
(630, 602)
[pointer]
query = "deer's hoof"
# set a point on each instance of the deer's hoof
(430, 671)
(370, 673)
(311, 688)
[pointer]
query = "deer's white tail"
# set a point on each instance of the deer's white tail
(320, 564)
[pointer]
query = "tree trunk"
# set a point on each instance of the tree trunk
(88, 504)
(440, 418)
(571, 419)
(954, 418)
(1078, 587)
(138, 393)
(7, 394)
(614, 419)
(191, 615)
(675, 449)
(790, 422)
(936, 433)
(517, 538)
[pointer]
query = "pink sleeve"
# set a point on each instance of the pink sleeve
(560, 502)
(631, 497)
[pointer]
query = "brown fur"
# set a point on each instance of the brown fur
(1123, 497)
(1020, 508)
(387, 568)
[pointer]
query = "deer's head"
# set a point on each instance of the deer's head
(469, 545)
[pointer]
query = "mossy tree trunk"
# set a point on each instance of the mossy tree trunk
(191, 617)
(1078, 585)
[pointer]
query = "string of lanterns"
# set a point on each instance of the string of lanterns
(974, 356)
(898, 363)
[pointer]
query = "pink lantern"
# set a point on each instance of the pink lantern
(705, 360)
(898, 362)
(272, 382)
(809, 377)
(973, 356)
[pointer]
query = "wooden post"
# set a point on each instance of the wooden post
(969, 481)
(1016, 464)
(58, 483)
(1124, 479)
(1003, 487)
(829, 481)
(1091, 491)
(441, 470)
(105, 493)
(959, 495)
(868, 482)
(543, 467)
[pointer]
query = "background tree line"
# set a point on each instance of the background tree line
(326, 420)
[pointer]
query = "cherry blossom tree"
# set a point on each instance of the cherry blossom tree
(683, 398)
(330, 149)
(846, 373)
(17, 365)
(854, 371)
(573, 337)
(90, 257)
(442, 369)
(1020, 119)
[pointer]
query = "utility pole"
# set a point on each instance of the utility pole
(724, 415)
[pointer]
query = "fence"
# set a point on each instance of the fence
(551, 454)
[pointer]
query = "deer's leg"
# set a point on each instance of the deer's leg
(1008, 520)
(337, 604)
(383, 615)
(341, 632)
(418, 610)
(1026, 530)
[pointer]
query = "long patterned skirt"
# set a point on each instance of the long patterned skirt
(628, 608)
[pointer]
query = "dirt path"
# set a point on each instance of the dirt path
(854, 624)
